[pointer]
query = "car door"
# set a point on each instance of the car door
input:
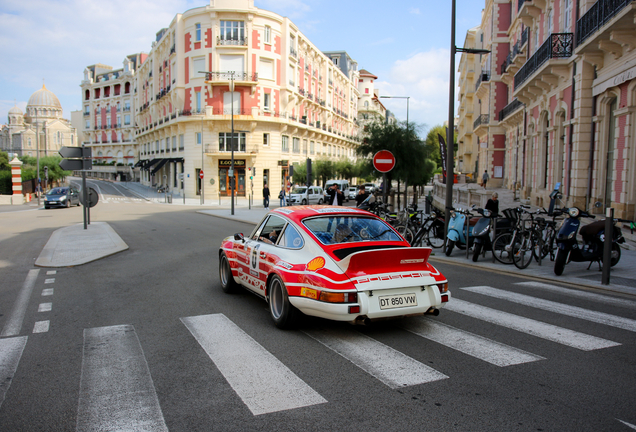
(260, 254)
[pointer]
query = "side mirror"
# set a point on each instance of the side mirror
(598, 204)
(239, 236)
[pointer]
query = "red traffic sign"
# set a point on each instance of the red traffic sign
(384, 161)
(201, 174)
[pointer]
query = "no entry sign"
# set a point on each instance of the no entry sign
(384, 161)
(201, 174)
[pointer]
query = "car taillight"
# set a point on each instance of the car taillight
(328, 296)
(443, 287)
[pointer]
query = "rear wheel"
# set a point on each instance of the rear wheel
(304, 202)
(522, 251)
(320, 201)
(435, 235)
(476, 251)
(406, 233)
(284, 314)
(502, 248)
(616, 254)
(449, 247)
(228, 284)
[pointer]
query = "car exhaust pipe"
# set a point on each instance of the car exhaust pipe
(362, 320)
(432, 311)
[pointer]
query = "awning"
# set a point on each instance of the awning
(158, 167)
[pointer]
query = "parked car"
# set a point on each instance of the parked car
(338, 263)
(305, 195)
(370, 187)
(61, 197)
(351, 194)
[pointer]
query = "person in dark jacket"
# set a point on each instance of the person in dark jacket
(361, 195)
(336, 197)
(266, 197)
(493, 204)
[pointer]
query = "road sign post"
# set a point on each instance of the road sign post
(78, 159)
(384, 161)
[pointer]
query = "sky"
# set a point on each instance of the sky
(406, 44)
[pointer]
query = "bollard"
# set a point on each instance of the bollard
(607, 250)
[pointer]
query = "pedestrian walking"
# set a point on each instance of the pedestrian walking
(281, 197)
(484, 178)
(266, 197)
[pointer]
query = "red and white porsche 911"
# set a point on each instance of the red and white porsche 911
(338, 263)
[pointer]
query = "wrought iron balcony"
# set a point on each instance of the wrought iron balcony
(558, 45)
(231, 42)
(483, 77)
(227, 76)
(596, 17)
(483, 119)
(509, 109)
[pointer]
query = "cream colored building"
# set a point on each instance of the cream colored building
(231, 65)
(41, 127)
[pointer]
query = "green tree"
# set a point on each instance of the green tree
(52, 162)
(4, 161)
(432, 144)
(324, 169)
(345, 169)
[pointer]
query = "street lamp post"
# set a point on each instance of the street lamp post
(450, 177)
(232, 146)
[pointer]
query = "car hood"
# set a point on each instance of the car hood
(54, 196)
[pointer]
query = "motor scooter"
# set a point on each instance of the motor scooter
(593, 235)
(459, 233)
(482, 231)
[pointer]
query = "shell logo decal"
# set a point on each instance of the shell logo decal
(316, 264)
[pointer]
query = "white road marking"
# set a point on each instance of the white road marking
(116, 390)
(573, 311)
(49, 281)
(41, 326)
(10, 353)
(47, 292)
(532, 327)
(263, 383)
(600, 298)
(392, 367)
(468, 343)
(627, 424)
(45, 307)
(51, 272)
(14, 324)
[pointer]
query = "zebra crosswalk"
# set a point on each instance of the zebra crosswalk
(117, 390)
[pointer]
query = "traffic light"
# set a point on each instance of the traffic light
(252, 172)
(291, 170)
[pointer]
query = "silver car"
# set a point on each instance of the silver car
(305, 195)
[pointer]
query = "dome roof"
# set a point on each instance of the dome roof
(15, 111)
(44, 98)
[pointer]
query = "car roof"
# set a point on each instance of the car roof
(298, 213)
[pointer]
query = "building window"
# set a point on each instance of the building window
(88, 124)
(231, 99)
(265, 139)
(568, 16)
(174, 143)
(304, 146)
(126, 105)
(233, 31)
(198, 67)
(181, 142)
(311, 147)
(336, 60)
(268, 35)
(266, 101)
(296, 145)
(198, 138)
(127, 120)
(197, 37)
(266, 69)
(224, 141)
(87, 109)
(285, 144)
(197, 98)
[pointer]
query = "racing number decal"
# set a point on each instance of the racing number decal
(255, 261)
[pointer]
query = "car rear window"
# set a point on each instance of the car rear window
(346, 229)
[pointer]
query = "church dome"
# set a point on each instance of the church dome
(15, 111)
(44, 98)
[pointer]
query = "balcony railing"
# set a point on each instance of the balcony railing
(234, 42)
(509, 109)
(227, 76)
(483, 119)
(558, 45)
(596, 17)
(484, 76)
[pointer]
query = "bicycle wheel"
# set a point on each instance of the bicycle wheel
(406, 233)
(522, 251)
(502, 248)
(435, 235)
(538, 246)
(549, 242)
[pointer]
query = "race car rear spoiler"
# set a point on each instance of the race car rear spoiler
(378, 261)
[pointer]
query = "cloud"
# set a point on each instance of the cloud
(424, 78)
(414, 11)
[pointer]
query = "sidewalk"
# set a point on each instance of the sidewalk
(100, 241)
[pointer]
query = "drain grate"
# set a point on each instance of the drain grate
(614, 280)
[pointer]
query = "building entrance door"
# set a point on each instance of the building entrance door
(225, 185)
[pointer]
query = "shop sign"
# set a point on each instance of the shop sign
(228, 162)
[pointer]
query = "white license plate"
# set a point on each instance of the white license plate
(398, 301)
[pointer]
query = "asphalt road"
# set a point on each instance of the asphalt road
(139, 308)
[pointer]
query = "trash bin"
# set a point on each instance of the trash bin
(169, 197)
